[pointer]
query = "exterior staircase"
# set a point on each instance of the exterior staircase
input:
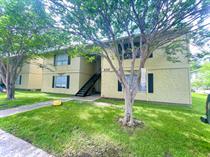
(85, 90)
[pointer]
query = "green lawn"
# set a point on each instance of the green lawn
(27, 98)
(79, 128)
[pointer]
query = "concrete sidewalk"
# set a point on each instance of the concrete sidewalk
(25, 108)
(12, 111)
(11, 146)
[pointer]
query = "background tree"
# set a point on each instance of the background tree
(200, 40)
(25, 31)
(202, 79)
(154, 23)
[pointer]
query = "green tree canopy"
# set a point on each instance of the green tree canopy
(202, 79)
(26, 30)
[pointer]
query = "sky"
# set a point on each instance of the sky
(195, 49)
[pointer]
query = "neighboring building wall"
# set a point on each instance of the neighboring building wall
(79, 71)
(171, 81)
(31, 75)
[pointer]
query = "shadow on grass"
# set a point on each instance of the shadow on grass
(82, 128)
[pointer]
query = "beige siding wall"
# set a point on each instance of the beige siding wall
(171, 80)
(79, 71)
(170, 85)
(158, 61)
(31, 75)
(87, 69)
(24, 82)
(73, 83)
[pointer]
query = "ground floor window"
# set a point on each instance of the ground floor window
(19, 80)
(142, 87)
(150, 83)
(119, 87)
(61, 81)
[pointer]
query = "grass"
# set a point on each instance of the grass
(79, 129)
(27, 98)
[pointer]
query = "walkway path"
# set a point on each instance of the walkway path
(86, 98)
(11, 146)
(9, 112)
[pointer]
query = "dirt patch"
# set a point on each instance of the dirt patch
(136, 123)
(97, 146)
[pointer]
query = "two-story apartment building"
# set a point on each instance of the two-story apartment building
(164, 81)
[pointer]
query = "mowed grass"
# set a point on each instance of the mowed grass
(79, 129)
(26, 98)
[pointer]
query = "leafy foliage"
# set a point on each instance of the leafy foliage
(203, 76)
(26, 31)
(25, 28)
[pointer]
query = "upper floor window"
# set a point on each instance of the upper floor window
(61, 59)
(128, 52)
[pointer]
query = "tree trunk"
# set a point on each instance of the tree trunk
(10, 91)
(129, 100)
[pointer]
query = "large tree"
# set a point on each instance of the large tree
(25, 31)
(153, 23)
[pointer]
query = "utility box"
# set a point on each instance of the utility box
(208, 108)
(206, 118)
(57, 103)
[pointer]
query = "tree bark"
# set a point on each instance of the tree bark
(131, 89)
(129, 99)
(9, 71)
(10, 86)
(10, 92)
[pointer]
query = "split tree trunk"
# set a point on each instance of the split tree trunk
(10, 84)
(10, 68)
(10, 91)
(130, 94)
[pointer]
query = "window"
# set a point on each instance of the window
(128, 52)
(60, 82)
(61, 59)
(150, 83)
(119, 87)
(151, 56)
(19, 80)
(142, 86)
